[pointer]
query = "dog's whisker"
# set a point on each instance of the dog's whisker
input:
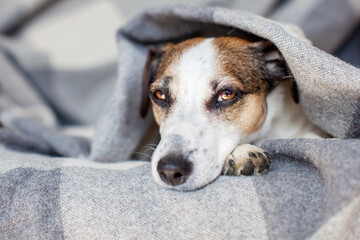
(287, 77)
(142, 154)
(151, 144)
(149, 148)
(148, 151)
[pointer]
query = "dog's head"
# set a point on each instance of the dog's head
(208, 96)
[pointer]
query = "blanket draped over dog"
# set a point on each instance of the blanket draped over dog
(312, 189)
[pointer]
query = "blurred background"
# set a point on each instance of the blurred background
(58, 58)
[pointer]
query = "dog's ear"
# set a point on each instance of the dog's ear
(147, 78)
(150, 69)
(274, 66)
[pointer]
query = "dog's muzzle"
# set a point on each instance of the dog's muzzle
(174, 169)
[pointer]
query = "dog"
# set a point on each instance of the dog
(212, 98)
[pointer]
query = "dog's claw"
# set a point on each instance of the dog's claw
(268, 155)
(247, 160)
(248, 168)
(232, 163)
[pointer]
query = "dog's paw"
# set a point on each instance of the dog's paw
(247, 159)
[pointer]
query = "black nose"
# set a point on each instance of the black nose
(174, 169)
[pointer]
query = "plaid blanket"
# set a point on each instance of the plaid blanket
(53, 186)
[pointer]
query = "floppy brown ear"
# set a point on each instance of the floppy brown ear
(275, 67)
(148, 77)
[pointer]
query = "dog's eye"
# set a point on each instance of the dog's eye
(226, 95)
(160, 95)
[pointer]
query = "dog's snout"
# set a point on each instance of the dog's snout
(174, 170)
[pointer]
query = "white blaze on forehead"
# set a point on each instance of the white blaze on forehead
(194, 72)
(192, 75)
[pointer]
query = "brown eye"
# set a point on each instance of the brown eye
(160, 95)
(226, 95)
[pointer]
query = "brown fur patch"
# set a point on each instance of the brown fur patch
(252, 116)
(243, 65)
(159, 114)
(248, 113)
(238, 60)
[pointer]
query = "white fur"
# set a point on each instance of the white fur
(285, 118)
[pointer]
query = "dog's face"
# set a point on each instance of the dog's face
(208, 96)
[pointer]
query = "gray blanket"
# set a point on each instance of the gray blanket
(50, 189)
